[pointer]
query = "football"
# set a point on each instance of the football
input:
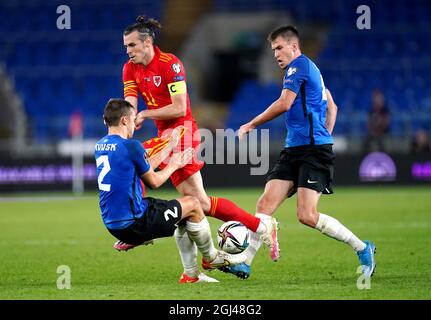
(233, 237)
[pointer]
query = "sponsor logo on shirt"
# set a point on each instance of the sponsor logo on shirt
(178, 78)
(176, 67)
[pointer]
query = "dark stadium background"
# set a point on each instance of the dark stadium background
(53, 82)
(48, 75)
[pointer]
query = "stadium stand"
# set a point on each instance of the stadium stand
(394, 55)
(56, 75)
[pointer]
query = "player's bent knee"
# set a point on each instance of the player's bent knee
(306, 217)
(265, 205)
(304, 220)
(191, 207)
(192, 202)
(196, 203)
(187, 203)
(205, 203)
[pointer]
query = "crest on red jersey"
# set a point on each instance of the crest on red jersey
(157, 80)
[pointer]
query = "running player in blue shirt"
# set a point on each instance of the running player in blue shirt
(121, 163)
(306, 165)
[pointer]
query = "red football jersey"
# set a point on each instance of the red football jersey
(153, 82)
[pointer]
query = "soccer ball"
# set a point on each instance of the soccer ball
(232, 237)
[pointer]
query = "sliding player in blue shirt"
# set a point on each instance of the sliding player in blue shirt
(121, 163)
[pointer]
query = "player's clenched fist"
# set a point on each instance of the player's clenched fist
(139, 120)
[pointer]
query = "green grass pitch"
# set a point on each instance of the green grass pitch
(39, 235)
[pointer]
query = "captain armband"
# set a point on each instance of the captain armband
(177, 88)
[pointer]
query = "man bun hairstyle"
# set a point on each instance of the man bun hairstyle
(287, 32)
(115, 109)
(146, 27)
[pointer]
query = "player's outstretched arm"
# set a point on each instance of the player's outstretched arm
(331, 113)
(155, 179)
(278, 107)
(177, 109)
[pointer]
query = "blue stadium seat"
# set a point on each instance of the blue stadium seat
(62, 67)
(364, 59)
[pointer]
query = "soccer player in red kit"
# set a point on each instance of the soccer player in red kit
(160, 78)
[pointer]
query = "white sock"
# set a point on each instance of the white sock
(252, 248)
(188, 251)
(264, 221)
(255, 241)
(334, 229)
(200, 233)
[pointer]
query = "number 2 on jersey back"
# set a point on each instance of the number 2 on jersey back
(106, 168)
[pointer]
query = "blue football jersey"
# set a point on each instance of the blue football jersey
(120, 163)
(305, 120)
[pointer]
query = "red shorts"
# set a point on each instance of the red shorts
(190, 138)
(184, 173)
(190, 169)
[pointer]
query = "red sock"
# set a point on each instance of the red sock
(226, 210)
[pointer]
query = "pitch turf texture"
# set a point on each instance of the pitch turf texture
(39, 235)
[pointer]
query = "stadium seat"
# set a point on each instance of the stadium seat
(366, 59)
(92, 47)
